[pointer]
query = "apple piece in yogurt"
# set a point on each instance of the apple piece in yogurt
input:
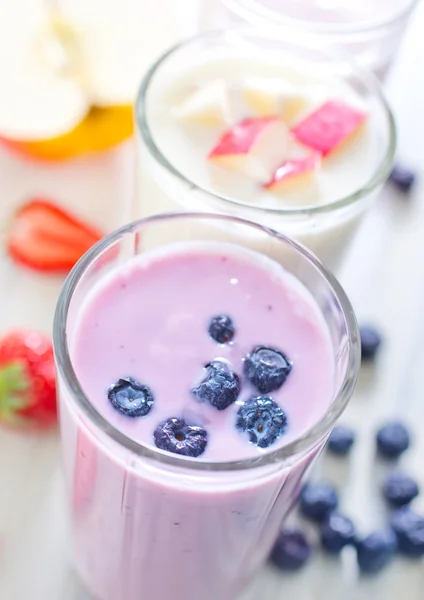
(253, 147)
(268, 96)
(329, 126)
(209, 106)
(295, 175)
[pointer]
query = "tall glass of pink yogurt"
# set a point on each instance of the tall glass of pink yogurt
(207, 91)
(198, 380)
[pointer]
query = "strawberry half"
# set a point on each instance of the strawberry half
(46, 238)
(27, 380)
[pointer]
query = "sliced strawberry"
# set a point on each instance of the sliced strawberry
(27, 380)
(46, 238)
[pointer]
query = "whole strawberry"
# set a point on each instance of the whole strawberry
(27, 380)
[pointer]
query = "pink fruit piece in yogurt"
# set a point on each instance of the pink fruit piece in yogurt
(294, 174)
(329, 126)
(254, 147)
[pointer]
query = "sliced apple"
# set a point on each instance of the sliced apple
(36, 101)
(208, 106)
(268, 96)
(329, 126)
(67, 75)
(294, 175)
(253, 148)
(118, 41)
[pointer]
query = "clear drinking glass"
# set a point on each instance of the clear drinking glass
(126, 498)
(371, 30)
(325, 227)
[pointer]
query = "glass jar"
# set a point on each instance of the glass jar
(327, 226)
(147, 524)
(370, 30)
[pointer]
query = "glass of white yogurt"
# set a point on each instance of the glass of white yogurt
(276, 132)
(371, 30)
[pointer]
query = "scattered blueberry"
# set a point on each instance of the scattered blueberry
(337, 532)
(370, 342)
(375, 551)
(409, 529)
(130, 397)
(400, 489)
(221, 329)
(341, 440)
(403, 178)
(266, 369)
(263, 420)
(220, 387)
(175, 435)
(393, 439)
(317, 500)
(291, 550)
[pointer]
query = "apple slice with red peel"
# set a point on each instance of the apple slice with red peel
(294, 175)
(268, 96)
(208, 106)
(253, 147)
(329, 126)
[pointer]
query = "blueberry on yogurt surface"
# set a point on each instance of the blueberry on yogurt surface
(262, 419)
(178, 437)
(220, 386)
(221, 329)
(130, 398)
(266, 368)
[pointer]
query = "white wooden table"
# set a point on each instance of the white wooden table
(384, 276)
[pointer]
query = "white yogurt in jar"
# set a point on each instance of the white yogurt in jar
(192, 101)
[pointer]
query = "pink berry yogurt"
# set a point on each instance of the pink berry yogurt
(146, 531)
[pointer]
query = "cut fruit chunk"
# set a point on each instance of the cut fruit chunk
(274, 96)
(294, 175)
(118, 41)
(208, 106)
(39, 105)
(39, 98)
(329, 126)
(254, 148)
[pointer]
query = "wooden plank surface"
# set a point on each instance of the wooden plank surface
(384, 276)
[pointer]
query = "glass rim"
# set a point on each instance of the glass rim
(318, 27)
(301, 444)
(378, 177)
